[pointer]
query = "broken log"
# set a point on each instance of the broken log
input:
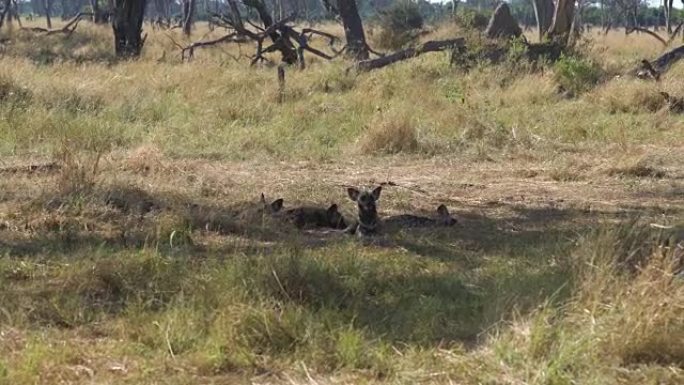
(661, 65)
(67, 29)
(430, 46)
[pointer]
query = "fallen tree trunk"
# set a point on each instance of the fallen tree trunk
(660, 65)
(67, 29)
(430, 46)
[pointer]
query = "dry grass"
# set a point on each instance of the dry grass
(142, 253)
(393, 132)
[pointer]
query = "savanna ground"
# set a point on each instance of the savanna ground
(123, 260)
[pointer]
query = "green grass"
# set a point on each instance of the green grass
(139, 258)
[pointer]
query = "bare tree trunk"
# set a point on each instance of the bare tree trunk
(162, 8)
(98, 13)
(127, 24)
(430, 46)
(14, 13)
(562, 20)
(668, 15)
(353, 29)
(188, 14)
(47, 4)
(543, 12)
(6, 14)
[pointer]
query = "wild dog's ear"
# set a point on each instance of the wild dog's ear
(376, 193)
(332, 209)
(442, 210)
(276, 205)
(353, 193)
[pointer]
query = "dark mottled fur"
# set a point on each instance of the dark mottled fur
(272, 207)
(316, 217)
(368, 222)
(442, 218)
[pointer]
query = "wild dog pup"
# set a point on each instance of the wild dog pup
(316, 217)
(368, 222)
(442, 218)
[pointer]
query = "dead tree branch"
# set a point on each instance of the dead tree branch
(648, 32)
(660, 65)
(188, 52)
(430, 46)
(67, 29)
(675, 33)
(283, 36)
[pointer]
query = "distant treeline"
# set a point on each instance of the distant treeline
(599, 13)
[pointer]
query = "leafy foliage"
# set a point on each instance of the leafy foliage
(399, 24)
(577, 74)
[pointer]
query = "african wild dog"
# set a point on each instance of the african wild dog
(368, 222)
(270, 208)
(674, 104)
(316, 217)
(442, 218)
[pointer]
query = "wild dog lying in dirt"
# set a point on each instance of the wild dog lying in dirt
(369, 222)
(306, 217)
(271, 208)
(442, 218)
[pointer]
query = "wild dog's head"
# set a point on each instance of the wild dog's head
(366, 202)
(335, 219)
(444, 218)
(273, 207)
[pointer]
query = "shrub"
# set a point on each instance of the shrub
(399, 24)
(390, 136)
(469, 18)
(576, 74)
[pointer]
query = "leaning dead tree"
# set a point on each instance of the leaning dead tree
(273, 36)
(648, 32)
(656, 68)
(430, 46)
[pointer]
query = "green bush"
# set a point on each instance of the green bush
(576, 74)
(402, 16)
(399, 24)
(469, 18)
